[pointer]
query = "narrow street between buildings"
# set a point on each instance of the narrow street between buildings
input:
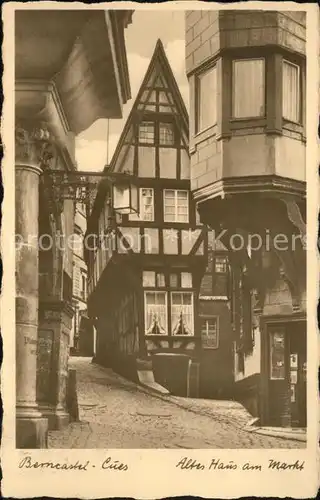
(116, 413)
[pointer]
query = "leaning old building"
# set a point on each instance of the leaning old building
(157, 305)
(70, 69)
(247, 79)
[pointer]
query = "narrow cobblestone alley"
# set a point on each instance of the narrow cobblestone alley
(116, 413)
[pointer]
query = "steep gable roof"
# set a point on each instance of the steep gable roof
(160, 76)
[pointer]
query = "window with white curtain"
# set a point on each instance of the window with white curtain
(156, 319)
(207, 99)
(248, 88)
(176, 205)
(290, 92)
(182, 313)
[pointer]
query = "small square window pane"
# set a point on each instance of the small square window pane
(146, 132)
(174, 280)
(182, 195)
(176, 298)
(163, 98)
(169, 193)
(149, 278)
(151, 298)
(161, 279)
(186, 280)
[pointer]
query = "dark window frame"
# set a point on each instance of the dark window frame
(205, 318)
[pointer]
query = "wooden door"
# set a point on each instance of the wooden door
(298, 378)
(279, 384)
(287, 374)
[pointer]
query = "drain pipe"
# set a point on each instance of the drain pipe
(189, 377)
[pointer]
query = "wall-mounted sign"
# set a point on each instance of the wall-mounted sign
(44, 365)
(293, 393)
(293, 360)
(294, 377)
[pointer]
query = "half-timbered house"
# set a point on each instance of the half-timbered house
(146, 268)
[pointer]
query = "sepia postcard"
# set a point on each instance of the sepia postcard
(159, 246)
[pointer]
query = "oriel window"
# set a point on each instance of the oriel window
(146, 133)
(206, 99)
(248, 88)
(291, 92)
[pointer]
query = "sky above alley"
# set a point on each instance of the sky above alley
(141, 38)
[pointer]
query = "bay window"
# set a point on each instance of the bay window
(156, 319)
(207, 99)
(182, 313)
(248, 88)
(210, 333)
(291, 92)
(176, 205)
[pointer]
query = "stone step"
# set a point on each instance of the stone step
(146, 378)
(144, 364)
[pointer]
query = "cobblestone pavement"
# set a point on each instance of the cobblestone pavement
(116, 413)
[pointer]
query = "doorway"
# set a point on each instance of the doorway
(287, 352)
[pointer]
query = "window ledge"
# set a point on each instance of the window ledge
(205, 134)
(239, 123)
(294, 126)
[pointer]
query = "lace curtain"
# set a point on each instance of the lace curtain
(156, 313)
(182, 313)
